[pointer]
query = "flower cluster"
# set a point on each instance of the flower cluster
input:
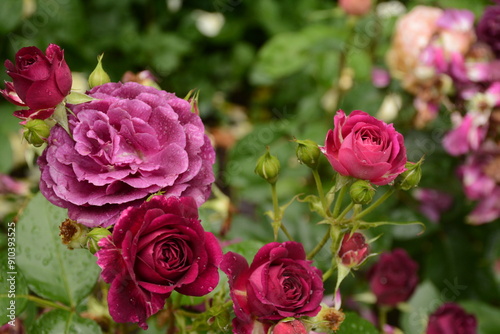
(132, 165)
(444, 59)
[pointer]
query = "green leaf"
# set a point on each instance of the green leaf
(64, 322)
(50, 268)
(365, 225)
(353, 323)
(12, 283)
(424, 301)
(77, 98)
(486, 315)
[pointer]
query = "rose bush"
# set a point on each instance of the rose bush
(40, 81)
(155, 249)
(279, 283)
(450, 319)
(393, 278)
(131, 142)
(364, 147)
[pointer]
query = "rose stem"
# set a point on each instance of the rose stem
(374, 205)
(319, 246)
(338, 201)
(277, 212)
(321, 193)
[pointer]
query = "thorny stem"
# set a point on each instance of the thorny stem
(277, 212)
(321, 193)
(374, 205)
(319, 246)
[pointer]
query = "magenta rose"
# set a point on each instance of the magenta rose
(393, 278)
(451, 319)
(157, 248)
(132, 142)
(364, 147)
(40, 81)
(280, 283)
(290, 327)
(353, 249)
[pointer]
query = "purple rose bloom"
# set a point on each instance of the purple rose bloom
(280, 283)
(488, 28)
(451, 319)
(133, 141)
(393, 278)
(155, 249)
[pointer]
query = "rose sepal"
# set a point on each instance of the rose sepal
(277, 216)
(77, 98)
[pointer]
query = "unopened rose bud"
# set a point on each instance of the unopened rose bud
(268, 167)
(411, 177)
(290, 327)
(356, 7)
(93, 238)
(362, 192)
(354, 250)
(98, 76)
(36, 132)
(73, 234)
(308, 153)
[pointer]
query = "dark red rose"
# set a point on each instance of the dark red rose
(155, 249)
(451, 319)
(353, 250)
(393, 278)
(279, 283)
(488, 28)
(40, 81)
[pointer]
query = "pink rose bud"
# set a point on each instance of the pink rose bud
(356, 7)
(290, 327)
(353, 250)
(40, 81)
(393, 278)
(451, 318)
(365, 148)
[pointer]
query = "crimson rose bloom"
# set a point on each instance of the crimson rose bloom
(488, 28)
(132, 142)
(279, 283)
(364, 147)
(154, 249)
(40, 81)
(393, 278)
(451, 319)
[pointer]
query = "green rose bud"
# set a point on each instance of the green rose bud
(268, 167)
(98, 76)
(411, 177)
(36, 132)
(362, 192)
(308, 153)
(94, 236)
(73, 234)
